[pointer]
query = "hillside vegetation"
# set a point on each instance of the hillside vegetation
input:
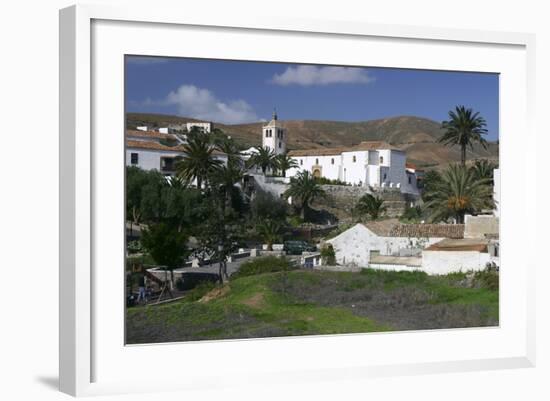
(306, 302)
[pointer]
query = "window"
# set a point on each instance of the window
(301, 162)
(267, 133)
(134, 158)
(279, 144)
(410, 181)
(381, 159)
(316, 161)
(332, 161)
(354, 159)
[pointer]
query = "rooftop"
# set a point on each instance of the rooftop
(363, 146)
(148, 134)
(392, 228)
(158, 146)
(457, 245)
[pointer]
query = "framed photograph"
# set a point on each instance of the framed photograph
(290, 199)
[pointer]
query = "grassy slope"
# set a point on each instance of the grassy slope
(312, 302)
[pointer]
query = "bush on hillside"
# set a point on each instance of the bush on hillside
(266, 264)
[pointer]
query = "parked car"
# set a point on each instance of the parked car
(297, 247)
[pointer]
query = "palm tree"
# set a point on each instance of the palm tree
(229, 147)
(270, 231)
(464, 128)
(483, 169)
(284, 163)
(458, 193)
(199, 161)
(305, 188)
(225, 178)
(370, 205)
(264, 158)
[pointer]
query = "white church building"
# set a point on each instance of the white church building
(374, 163)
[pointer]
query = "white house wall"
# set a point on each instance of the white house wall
(148, 159)
(354, 245)
(444, 262)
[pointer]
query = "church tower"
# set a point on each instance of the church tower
(274, 136)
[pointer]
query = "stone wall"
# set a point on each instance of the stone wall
(345, 197)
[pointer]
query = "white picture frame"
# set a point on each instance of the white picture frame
(92, 357)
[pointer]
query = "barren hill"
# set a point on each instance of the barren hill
(417, 136)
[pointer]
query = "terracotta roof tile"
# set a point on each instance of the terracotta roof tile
(460, 245)
(152, 146)
(148, 134)
(392, 228)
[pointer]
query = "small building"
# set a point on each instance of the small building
(152, 150)
(150, 155)
(453, 255)
(362, 242)
(205, 127)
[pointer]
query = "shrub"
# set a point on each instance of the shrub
(266, 264)
(200, 290)
(189, 281)
(488, 279)
(328, 255)
(328, 181)
(134, 247)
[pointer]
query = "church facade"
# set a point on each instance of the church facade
(374, 164)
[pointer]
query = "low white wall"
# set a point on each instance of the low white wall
(444, 262)
(385, 266)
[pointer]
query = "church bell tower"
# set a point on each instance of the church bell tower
(274, 135)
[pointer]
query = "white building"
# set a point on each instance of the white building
(152, 156)
(362, 242)
(205, 127)
(376, 164)
(432, 248)
(151, 150)
(274, 136)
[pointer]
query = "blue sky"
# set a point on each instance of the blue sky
(239, 91)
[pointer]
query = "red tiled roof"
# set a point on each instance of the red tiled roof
(460, 245)
(152, 146)
(157, 146)
(392, 228)
(148, 134)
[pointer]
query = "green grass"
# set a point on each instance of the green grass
(303, 302)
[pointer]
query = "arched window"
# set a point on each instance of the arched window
(332, 161)
(354, 159)
(381, 159)
(279, 144)
(316, 161)
(301, 162)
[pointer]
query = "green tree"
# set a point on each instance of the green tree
(166, 246)
(305, 189)
(285, 162)
(270, 231)
(264, 158)
(464, 128)
(136, 178)
(266, 206)
(328, 256)
(199, 160)
(483, 169)
(458, 193)
(370, 205)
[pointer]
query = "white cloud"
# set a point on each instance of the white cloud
(307, 75)
(202, 104)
